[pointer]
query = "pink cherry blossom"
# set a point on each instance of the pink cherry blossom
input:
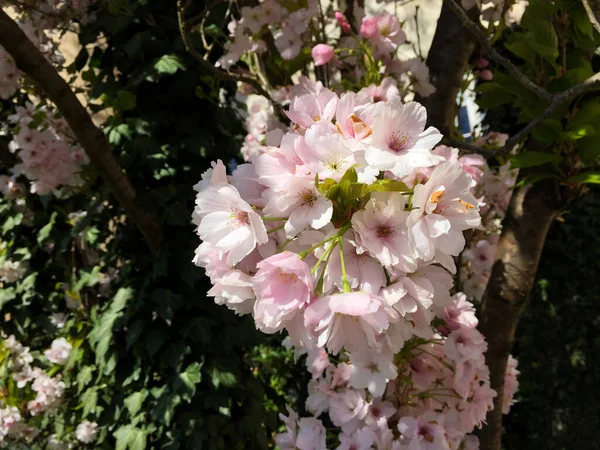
(322, 54)
(228, 222)
(381, 230)
(400, 143)
(351, 320)
(372, 370)
(283, 285)
(444, 208)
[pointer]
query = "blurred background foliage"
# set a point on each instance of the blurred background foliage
(156, 363)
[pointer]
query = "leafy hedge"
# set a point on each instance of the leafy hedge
(155, 362)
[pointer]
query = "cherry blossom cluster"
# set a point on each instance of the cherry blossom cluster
(493, 191)
(363, 56)
(342, 233)
(44, 391)
(261, 124)
(44, 144)
(438, 391)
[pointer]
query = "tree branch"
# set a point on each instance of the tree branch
(476, 30)
(31, 62)
(448, 60)
(557, 100)
(592, 15)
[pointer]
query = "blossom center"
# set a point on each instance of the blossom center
(385, 232)
(398, 142)
(288, 277)
(372, 366)
(424, 432)
(307, 198)
(436, 196)
(239, 218)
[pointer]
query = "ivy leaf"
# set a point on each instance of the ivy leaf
(190, 378)
(101, 335)
(12, 222)
(130, 437)
(89, 400)
(44, 232)
(84, 377)
(134, 402)
(169, 64)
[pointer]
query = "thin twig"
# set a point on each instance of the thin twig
(476, 30)
(418, 32)
(557, 100)
(184, 31)
(591, 15)
(469, 148)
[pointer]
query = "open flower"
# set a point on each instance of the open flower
(443, 209)
(400, 143)
(283, 285)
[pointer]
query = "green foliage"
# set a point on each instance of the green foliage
(155, 362)
(552, 47)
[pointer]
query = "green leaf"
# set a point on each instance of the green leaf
(12, 222)
(87, 279)
(589, 149)
(578, 133)
(520, 47)
(7, 295)
(222, 378)
(169, 64)
(389, 186)
(134, 402)
(101, 335)
(130, 437)
(190, 378)
(585, 177)
(125, 101)
(531, 159)
(350, 176)
(89, 400)
(534, 178)
(84, 377)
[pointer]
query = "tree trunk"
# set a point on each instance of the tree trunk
(531, 211)
(448, 60)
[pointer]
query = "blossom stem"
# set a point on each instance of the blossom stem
(284, 245)
(275, 229)
(328, 252)
(347, 287)
(275, 218)
(325, 254)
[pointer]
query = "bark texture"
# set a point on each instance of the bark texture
(531, 211)
(448, 60)
(31, 62)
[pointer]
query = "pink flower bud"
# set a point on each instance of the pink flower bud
(482, 63)
(369, 28)
(343, 22)
(486, 74)
(322, 54)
